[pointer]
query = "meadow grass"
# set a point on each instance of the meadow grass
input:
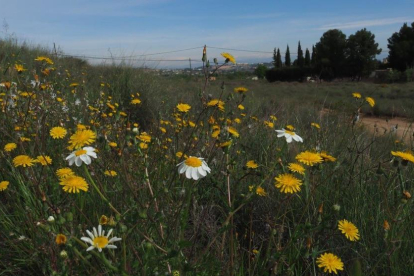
(233, 221)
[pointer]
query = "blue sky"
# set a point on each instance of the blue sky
(133, 28)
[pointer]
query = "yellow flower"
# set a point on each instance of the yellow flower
(73, 184)
(3, 185)
(228, 57)
(113, 144)
(82, 138)
(48, 60)
(309, 158)
(240, 90)
(251, 164)
(225, 144)
(143, 145)
(58, 132)
(298, 168)
(316, 125)
(404, 155)
(273, 118)
(290, 127)
(182, 107)
(23, 160)
(269, 124)
(233, 131)
(356, 95)
(60, 239)
(110, 173)
(370, 101)
(163, 130)
(260, 191)
(19, 68)
(103, 220)
(287, 183)
(64, 172)
(240, 106)
(386, 225)
(349, 230)
(144, 137)
(330, 263)
(10, 147)
(74, 84)
(326, 157)
(44, 160)
(216, 102)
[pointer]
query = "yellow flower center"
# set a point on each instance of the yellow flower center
(80, 152)
(100, 241)
(289, 132)
(193, 162)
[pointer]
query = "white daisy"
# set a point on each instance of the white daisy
(81, 155)
(98, 240)
(289, 135)
(194, 168)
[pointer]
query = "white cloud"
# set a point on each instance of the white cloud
(366, 23)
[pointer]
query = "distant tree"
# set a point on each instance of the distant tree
(274, 58)
(330, 58)
(313, 58)
(287, 57)
(300, 60)
(278, 59)
(307, 58)
(361, 52)
(260, 71)
(401, 48)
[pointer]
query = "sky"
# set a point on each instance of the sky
(140, 29)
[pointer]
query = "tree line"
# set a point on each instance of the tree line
(336, 56)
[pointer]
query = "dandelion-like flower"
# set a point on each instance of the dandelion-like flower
(98, 240)
(73, 184)
(370, 101)
(44, 160)
(229, 58)
(289, 135)
(260, 191)
(356, 95)
(316, 125)
(182, 107)
(251, 164)
(287, 183)
(216, 102)
(330, 263)
(240, 90)
(23, 160)
(194, 168)
(349, 230)
(10, 147)
(309, 158)
(82, 138)
(404, 155)
(233, 131)
(297, 168)
(82, 155)
(58, 132)
(64, 172)
(3, 185)
(326, 157)
(60, 239)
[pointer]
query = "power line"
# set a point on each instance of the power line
(239, 50)
(126, 58)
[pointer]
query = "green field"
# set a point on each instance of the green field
(254, 213)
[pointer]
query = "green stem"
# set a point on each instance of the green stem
(99, 192)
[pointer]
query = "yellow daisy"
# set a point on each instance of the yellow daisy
(3, 185)
(309, 158)
(44, 160)
(23, 160)
(349, 230)
(233, 131)
(326, 157)
(356, 95)
(370, 101)
(73, 184)
(10, 147)
(60, 239)
(82, 138)
(330, 263)
(229, 58)
(251, 164)
(58, 132)
(240, 90)
(404, 155)
(182, 107)
(297, 168)
(287, 183)
(260, 191)
(64, 172)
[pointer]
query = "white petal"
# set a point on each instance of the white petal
(194, 174)
(95, 232)
(114, 239)
(90, 234)
(188, 172)
(92, 153)
(180, 163)
(109, 233)
(88, 240)
(78, 161)
(280, 135)
(111, 246)
(70, 156)
(100, 230)
(100, 249)
(289, 139)
(86, 159)
(201, 171)
(90, 248)
(182, 168)
(71, 161)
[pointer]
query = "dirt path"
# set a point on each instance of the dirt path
(404, 127)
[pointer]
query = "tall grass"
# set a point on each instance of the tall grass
(218, 225)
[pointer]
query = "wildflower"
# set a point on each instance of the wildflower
(356, 95)
(349, 230)
(260, 191)
(136, 101)
(144, 137)
(232, 131)
(225, 144)
(240, 106)
(73, 183)
(289, 135)
(228, 57)
(370, 101)
(326, 157)
(287, 183)
(240, 90)
(273, 118)
(330, 263)
(183, 107)
(110, 173)
(74, 84)
(23, 160)
(58, 132)
(98, 240)
(404, 155)
(194, 168)
(113, 144)
(316, 125)
(10, 147)
(386, 225)
(269, 124)
(82, 138)
(309, 158)
(51, 219)
(407, 194)
(3, 185)
(46, 59)
(19, 68)
(44, 160)
(290, 127)
(60, 239)
(64, 172)
(251, 164)
(216, 102)
(103, 220)
(297, 168)
(143, 145)
(81, 155)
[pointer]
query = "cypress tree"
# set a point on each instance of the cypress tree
(300, 60)
(274, 58)
(287, 57)
(307, 58)
(278, 59)
(313, 58)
